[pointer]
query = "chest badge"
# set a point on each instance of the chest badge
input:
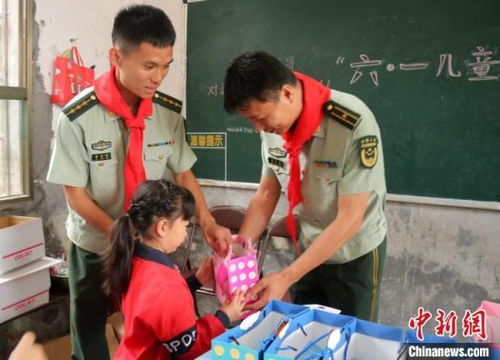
(162, 143)
(277, 152)
(101, 145)
(368, 151)
(325, 164)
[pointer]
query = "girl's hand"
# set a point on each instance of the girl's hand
(234, 307)
(205, 273)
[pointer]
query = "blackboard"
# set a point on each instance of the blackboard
(428, 69)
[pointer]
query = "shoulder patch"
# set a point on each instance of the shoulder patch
(368, 151)
(343, 115)
(75, 109)
(167, 101)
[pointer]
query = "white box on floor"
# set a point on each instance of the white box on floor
(25, 288)
(21, 241)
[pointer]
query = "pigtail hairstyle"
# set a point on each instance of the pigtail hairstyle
(118, 258)
(153, 199)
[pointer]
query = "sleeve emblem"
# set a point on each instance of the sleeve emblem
(368, 151)
(182, 343)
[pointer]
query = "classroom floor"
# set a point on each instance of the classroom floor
(60, 348)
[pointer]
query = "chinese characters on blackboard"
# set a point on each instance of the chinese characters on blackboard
(481, 66)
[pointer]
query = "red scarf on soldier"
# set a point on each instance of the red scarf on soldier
(314, 95)
(110, 97)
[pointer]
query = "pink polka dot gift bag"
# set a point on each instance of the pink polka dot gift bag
(237, 270)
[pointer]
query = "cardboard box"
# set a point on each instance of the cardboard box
(307, 334)
(25, 288)
(250, 339)
(21, 241)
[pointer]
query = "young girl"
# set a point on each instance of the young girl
(156, 301)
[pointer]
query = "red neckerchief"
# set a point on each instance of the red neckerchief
(314, 95)
(110, 97)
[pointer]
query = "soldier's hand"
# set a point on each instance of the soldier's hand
(218, 238)
(272, 286)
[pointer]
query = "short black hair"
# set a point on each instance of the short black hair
(254, 76)
(136, 24)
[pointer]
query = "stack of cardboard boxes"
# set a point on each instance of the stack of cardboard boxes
(24, 269)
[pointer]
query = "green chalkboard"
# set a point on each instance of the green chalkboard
(428, 69)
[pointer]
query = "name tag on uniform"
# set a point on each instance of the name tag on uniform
(276, 162)
(101, 157)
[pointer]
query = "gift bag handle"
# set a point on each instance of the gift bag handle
(75, 54)
(265, 343)
(345, 333)
(245, 242)
(310, 344)
(229, 254)
(66, 53)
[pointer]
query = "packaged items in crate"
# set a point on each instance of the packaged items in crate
(250, 339)
(362, 339)
(307, 334)
(283, 331)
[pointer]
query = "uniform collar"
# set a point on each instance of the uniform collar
(111, 116)
(148, 253)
